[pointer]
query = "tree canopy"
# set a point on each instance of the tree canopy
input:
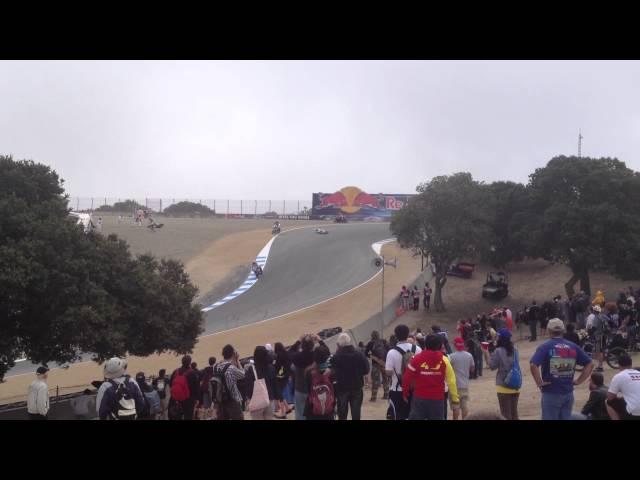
(447, 220)
(64, 292)
(126, 206)
(188, 209)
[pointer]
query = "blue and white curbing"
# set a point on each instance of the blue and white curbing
(251, 280)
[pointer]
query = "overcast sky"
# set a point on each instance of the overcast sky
(282, 130)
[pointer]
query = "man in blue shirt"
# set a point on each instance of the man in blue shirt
(553, 367)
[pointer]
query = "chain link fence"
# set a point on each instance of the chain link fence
(222, 207)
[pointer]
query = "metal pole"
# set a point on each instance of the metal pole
(77, 203)
(298, 212)
(269, 205)
(255, 213)
(92, 204)
(382, 303)
(283, 207)
(214, 205)
(227, 208)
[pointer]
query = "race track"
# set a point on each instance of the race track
(304, 268)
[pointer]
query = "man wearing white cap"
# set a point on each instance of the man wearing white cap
(349, 367)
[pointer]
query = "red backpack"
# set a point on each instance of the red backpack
(180, 387)
(321, 397)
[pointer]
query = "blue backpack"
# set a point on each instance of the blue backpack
(514, 377)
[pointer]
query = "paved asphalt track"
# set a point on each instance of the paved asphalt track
(304, 268)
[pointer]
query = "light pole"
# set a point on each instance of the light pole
(383, 263)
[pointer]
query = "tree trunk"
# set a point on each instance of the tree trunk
(585, 283)
(440, 281)
(568, 287)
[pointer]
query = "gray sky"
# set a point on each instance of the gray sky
(282, 130)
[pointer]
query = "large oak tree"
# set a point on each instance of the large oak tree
(63, 292)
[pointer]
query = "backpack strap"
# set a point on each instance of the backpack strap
(398, 375)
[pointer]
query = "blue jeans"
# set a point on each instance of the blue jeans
(301, 401)
(557, 406)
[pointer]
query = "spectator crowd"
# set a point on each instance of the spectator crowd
(421, 375)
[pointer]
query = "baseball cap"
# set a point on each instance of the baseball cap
(42, 370)
(556, 325)
(596, 308)
(503, 332)
(459, 343)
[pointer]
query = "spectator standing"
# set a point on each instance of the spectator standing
(623, 398)
(501, 358)
(581, 307)
(463, 367)
(185, 391)
(161, 384)
(596, 406)
(571, 334)
(428, 371)
(416, 298)
(404, 295)
(205, 384)
(533, 316)
(377, 351)
(119, 397)
(599, 329)
(348, 367)
(264, 369)
(152, 406)
(38, 396)
(436, 330)
(395, 366)
(553, 368)
(320, 399)
(229, 371)
(84, 406)
(301, 361)
(283, 374)
(427, 296)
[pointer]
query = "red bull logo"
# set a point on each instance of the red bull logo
(351, 200)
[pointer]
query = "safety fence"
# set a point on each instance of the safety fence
(221, 207)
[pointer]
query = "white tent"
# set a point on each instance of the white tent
(84, 219)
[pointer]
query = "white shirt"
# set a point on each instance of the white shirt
(627, 382)
(394, 363)
(590, 321)
(38, 398)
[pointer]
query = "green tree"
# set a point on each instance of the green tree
(128, 206)
(507, 206)
(446, 221)
(188, 209)
(63, 292)
(584, 213)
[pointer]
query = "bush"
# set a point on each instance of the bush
(188, 209)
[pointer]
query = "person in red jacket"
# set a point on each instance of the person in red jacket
(427, 372)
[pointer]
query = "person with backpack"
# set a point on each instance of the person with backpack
(161, 384)
(185, 391)
(425, 377)
(261, 369)
(503, 357)
(396, 363)
(427, 296)
(152, 406)
(321, 399)
(376, 350)
(301, 361)
(119, 397)
(283, 374)
(226, 394)
(348, 367)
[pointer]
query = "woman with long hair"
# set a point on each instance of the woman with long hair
(501, 358)
(263, 368)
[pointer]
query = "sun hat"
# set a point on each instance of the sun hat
(114, 368)
(556, 325)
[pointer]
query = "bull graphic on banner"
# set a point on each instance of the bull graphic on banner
(355, 204)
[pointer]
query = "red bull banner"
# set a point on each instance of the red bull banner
(355, 204)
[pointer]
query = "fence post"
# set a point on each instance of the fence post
(255, 212)
(105, 200)
(214, 205)
(269, 205)
(77, 203)
(227, 208)
(146, 203)
(298, 211)
(92, 204)
(240, 207)
(283, 207)
(160, 205)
